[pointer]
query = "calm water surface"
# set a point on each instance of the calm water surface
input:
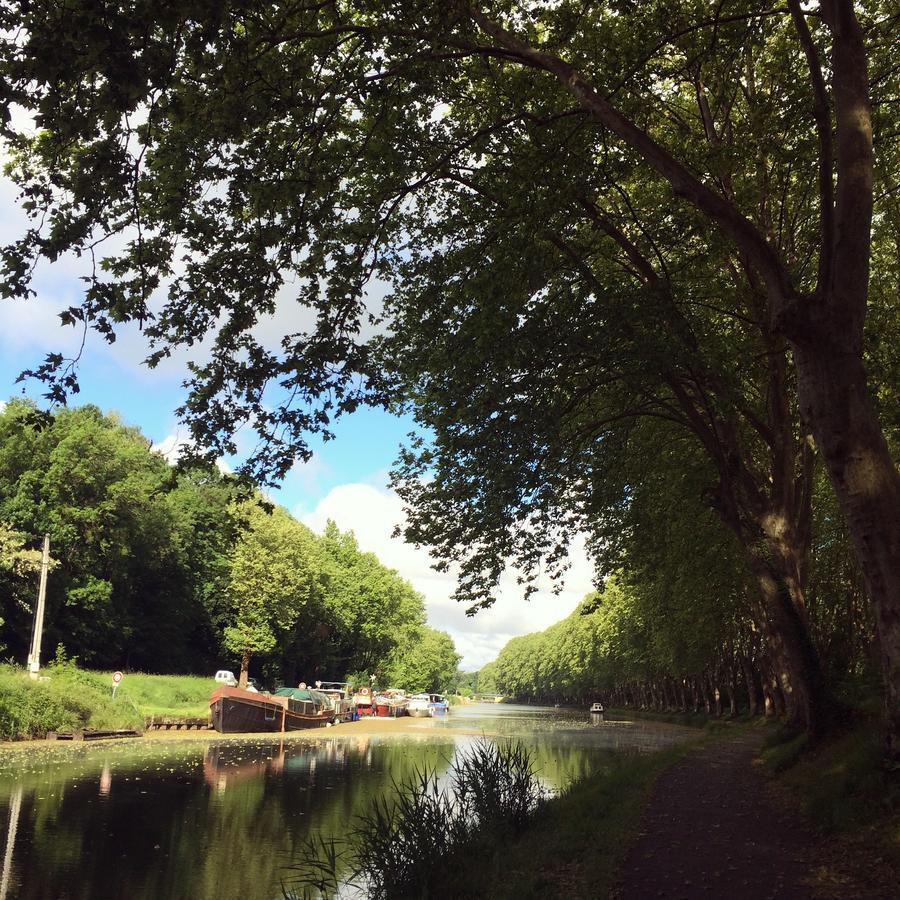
(222, 819)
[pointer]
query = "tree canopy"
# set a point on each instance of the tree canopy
(582, 214)
(179, 571)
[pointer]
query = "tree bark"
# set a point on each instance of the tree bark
(750, 682)
(732, 689)
(772, 689)
(245, 669)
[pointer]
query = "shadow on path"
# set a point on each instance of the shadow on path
(711, 830)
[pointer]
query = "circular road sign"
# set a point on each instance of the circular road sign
(117, 677)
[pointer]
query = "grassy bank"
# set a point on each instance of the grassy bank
(689, 718)
(845, 791)
(68, 698)
(575, 843)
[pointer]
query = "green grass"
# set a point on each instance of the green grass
(573, 846)
(175, 695)
(849, 797)
(841, 783)
(691, 719)
(68, 698)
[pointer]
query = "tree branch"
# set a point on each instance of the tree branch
(826, 152)
(684, 182)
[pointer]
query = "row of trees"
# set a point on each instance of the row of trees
(169, 571)
(677, 625)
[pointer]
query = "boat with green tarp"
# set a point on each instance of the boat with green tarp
(234, 710)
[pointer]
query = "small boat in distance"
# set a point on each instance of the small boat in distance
(422, 705)
(289, 709)
(597, 707)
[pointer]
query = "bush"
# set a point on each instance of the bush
(406, 844)
(67, 699)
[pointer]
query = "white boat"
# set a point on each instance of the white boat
(419, 706)
(597, 708)
(431, 705)
(338, 693)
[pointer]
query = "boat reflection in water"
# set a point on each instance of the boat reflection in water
(226, 818)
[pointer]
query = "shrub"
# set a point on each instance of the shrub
(404, 845)
(68, 699)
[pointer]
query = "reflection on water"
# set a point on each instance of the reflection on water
(222, 819)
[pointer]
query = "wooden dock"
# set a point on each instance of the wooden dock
(178, 723)
(87, 734)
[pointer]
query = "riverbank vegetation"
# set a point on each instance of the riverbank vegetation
(844, 790)
(415, 842)
(161, 570)
(501, 836)
(67, 699)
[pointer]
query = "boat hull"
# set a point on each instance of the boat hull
(419, 713)
(235, 711)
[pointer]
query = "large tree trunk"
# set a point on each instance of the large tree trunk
(827, 333)
(795, 659)
(245, 669)
(835, 402)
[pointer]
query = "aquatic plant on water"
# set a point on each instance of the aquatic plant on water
(402, 846)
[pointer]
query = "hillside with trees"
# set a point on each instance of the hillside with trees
(163, 570)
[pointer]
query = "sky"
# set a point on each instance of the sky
(345, 480)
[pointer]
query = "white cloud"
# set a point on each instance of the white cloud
(173, 445)
(372, 513)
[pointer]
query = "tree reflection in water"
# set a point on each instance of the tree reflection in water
(224, 819)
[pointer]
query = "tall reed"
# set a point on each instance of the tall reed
(404, 845)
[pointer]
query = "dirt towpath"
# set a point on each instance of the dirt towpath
(712, 831)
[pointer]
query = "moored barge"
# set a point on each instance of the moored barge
(234, 710)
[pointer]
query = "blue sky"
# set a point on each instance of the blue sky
(346, 479)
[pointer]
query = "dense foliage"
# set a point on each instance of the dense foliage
(168, 571)
(70, 699)
(674, 628)
(585, 215)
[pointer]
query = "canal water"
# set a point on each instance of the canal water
(222, 819)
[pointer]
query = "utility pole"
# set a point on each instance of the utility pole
(34, 657)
